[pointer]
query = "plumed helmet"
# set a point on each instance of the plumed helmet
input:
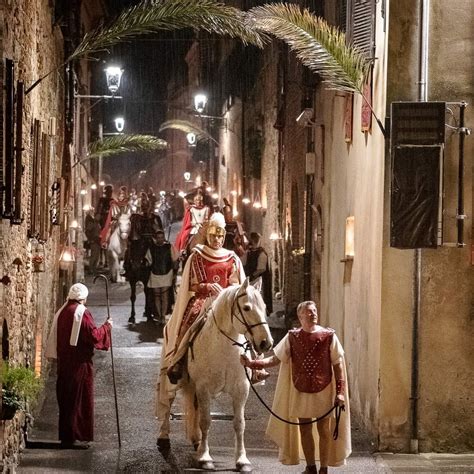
(216, 224)
(78, 292)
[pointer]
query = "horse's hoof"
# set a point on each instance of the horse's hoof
(131, 319)
(244, 467)
(163, 444)
(207, 466)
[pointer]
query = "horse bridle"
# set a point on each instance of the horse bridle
(243, 321)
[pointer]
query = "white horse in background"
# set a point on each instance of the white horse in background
(237, 314)
(117, 247)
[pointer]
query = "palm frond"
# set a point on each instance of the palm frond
(319, 46)
(186, 127)
(151, 16)
(114, 145)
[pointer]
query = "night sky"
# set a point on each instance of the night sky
(147, 63)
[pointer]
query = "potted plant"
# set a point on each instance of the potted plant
(37, 261)
(20, 385)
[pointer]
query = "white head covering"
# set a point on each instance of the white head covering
(78, 292)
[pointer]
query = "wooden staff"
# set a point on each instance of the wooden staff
(111, 354)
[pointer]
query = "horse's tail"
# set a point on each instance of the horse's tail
(193, 432)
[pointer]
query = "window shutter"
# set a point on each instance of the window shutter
(9, 144)
(361, 25)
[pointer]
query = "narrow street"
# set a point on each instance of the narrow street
(136, 356)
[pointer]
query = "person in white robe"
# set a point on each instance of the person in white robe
(312, 379)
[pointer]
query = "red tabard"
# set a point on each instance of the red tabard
(311, 359)
(205, 271)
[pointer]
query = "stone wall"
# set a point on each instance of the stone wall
(29, 301)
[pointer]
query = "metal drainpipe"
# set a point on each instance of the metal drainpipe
(424, 7)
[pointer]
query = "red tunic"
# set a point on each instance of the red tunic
(75, 383)
(311, 359)
(205, 271)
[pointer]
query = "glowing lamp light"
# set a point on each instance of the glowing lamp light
(233, 192)
(119, 124)
(86, 207)
(349, 241)
(114, 76)
(215, 196)
(162, 193)
(83, 192)
(245, 200)
(200, 101)
(191, 138)
(94, 186)
(102, 183)
(275, 236)
(187, 175)
(67, 258)
(74, 224)
(208, 189)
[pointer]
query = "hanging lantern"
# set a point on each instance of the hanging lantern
(67, 258)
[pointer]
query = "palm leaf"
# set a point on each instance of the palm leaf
(114, 145)
(151, 16)
(319, 46)
(186, 127)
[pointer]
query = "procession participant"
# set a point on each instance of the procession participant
(104, 204)
(194, 216)
(122, 202)
(257, 265)
(92, 231)
(312, 379)
(143, 226)
(151, 198)
(209, 269)
(235, 238)
(72, 341)
(162, 257)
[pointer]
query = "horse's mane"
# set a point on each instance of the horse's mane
(225, 293)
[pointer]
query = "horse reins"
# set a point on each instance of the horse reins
(246, 347)
(338, 409)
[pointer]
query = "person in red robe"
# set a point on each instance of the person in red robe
(72, 341)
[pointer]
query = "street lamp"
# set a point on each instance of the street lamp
(119, 124)
(187, 176)
(200, 102)
(114, 76)
(191, 138)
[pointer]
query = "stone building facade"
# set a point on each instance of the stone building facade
(36, 182)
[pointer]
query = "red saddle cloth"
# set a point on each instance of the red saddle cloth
(311, 359)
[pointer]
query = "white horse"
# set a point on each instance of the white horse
(117, 246)
(237, 314)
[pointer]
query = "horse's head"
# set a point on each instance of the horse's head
(123, 224)
(249, 311)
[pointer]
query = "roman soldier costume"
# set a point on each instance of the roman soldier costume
(311, 367)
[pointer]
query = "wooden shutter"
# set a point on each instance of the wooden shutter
(361, 25)
(17, 217)
(9, 157)
(35, 169)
